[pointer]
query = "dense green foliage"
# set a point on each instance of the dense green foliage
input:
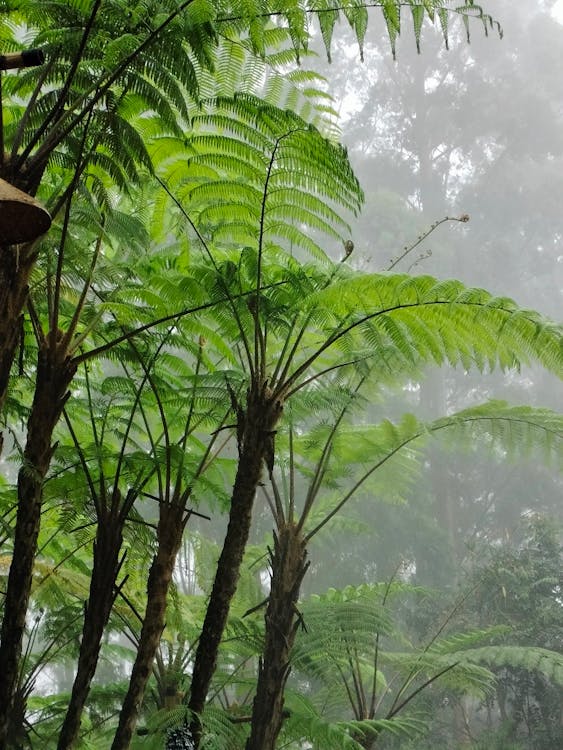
(182, 342)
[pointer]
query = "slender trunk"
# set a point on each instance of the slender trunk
(54, 374)
(169, 535)
(14, 278)
(288, 568)
(255, 434)
(109, 538)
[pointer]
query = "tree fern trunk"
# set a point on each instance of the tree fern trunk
(14, 277)
(54, 374)
(169, 535)
(288, 568)
(255, 434)
(105, 570)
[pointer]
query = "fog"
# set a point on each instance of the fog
(475, 130)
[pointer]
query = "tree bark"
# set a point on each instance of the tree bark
(255, 437)
(169, 535)
(109, 538)
(55, 371)
(289, 565)
(14, 278)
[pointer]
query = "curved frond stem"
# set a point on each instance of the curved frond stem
(35, 322)
(204, 463)
(84, 356)
(225, 442)
(62, 560)
(276, 506)
(355, 707)
(86, 103)
(354, 662)
(373, 700)
(278, 380)
(46, 70)
(229, 296)
(396, 708)
(67, 338)
(64, 233)
(318, 375)
(408, 249)
(336, 336)
(186, 432)
(484, 418)
(291, 510)
(84, 464)
(147, 378)
(259, 338)
(322, 463)
(55, 645)
(281, 358)
(220, 688)
(271, 505)
(98, 437)
(359, 483)
(59, 104)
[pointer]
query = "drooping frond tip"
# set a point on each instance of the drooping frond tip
(328, 12)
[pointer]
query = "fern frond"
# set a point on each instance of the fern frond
(531, 658)
(431, 320)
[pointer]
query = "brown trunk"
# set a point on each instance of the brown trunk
(100, 601)
(169, 535)
(54, 374)
(288, 568)
(255, 434)
(14, 277)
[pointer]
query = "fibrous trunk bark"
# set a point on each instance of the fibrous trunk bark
(256, 427)
(55, 371)
(289, 565)
(106, 566)
(169, 537)
(14, 277)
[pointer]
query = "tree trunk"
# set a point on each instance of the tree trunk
(169, 535)
(14, 277)
(109, 538)
(54, 373)
(288, 568)
(255, 436)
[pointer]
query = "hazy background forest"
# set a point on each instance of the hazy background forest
(474, 130)
(460, 154)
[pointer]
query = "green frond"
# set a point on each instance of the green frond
(533, 659)
(515, 430)
(248, 159)
(329, 12)
(439, 321)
